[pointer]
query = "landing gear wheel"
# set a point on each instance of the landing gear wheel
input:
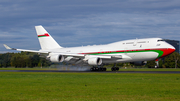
(94, 68)
(114, 69)
(97, 69)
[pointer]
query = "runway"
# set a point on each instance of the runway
(70, 71)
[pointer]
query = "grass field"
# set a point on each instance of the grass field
(29, 86)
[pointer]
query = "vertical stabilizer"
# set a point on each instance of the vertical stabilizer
(45, 39)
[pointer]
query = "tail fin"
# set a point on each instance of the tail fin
(45, 39)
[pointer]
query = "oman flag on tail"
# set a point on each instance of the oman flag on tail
(44, 35)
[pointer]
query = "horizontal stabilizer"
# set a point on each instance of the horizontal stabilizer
(7, 47)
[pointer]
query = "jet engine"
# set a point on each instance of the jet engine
(139, 63)
(57, 58)
(95, 61)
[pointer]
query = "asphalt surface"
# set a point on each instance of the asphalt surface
(70, 71)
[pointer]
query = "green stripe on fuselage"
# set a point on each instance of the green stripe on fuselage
(157, 51)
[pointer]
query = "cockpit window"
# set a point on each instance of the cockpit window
(160, 40)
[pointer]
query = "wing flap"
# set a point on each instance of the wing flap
(99, 56)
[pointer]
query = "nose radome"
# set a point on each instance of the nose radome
(172, 48)
(168, 51)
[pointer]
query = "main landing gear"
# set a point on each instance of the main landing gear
(97, 69)
(114, 68)
(101, 68)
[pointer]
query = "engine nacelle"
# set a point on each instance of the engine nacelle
(57, 58)
(95, 61)
(139, 63)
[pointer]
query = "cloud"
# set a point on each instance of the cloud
(82, 22)
(117, 24)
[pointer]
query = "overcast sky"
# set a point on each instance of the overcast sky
(87, 22)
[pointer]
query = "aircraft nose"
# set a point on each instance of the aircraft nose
(168, 51)
(172, 49)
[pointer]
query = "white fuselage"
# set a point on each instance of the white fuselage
(130, 50)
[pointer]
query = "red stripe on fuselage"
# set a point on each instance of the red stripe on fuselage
(134, 50)
(166, 51)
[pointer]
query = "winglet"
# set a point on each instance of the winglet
(7, 47)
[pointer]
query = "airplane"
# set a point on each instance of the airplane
(136, 50)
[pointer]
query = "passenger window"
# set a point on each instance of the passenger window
(129, 42)
(142, 42)
(158, 44)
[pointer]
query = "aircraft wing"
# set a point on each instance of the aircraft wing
(25, 50)
(75, 55)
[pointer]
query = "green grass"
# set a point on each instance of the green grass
(21, 86)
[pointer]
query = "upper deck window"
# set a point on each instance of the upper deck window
(129, 42)
(142, 42)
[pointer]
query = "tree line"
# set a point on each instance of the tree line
(27, 59)
(22, 60)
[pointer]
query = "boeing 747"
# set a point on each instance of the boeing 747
(136, 50)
